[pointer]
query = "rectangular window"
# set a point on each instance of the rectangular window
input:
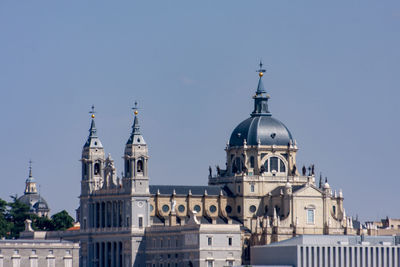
(230, 241)
(238, 188)
(252, 188)
(209, 263)
(209, 241)
(229, 263)
(140, 222)
(310, 216)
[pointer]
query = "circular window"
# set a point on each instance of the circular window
(228, 209)
(213, 208)
(197, 208)
(165, 208)
(181, 208)
(151, 208)
(252, 208)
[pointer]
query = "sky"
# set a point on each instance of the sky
(333, 73)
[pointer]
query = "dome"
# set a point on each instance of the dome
(34, 201)
(266, 129)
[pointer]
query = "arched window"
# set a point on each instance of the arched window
(251, 162)
(266, 166)
(237, 165)
(140, 166)
(273, 164)
(282, 167)
(96, 168)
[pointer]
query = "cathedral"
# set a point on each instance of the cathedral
(261, 193)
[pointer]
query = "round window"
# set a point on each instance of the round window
(213, 208)
(151, 208)
(181, 208)
(165, 208)
(252, 208)
(228, 209)
(197, 208)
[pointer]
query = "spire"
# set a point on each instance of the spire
(135, 126)
(30, 168)
(92, 130)
(93, 140)
(260, 87)
(261, 97)
(30, 184)
(136, 136)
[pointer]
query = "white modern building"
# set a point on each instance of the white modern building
(329, 251)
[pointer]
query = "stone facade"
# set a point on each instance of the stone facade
(193, 244)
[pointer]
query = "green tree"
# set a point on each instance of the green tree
(42, 223)
(62, 221)
(17, 214)
(5, 226)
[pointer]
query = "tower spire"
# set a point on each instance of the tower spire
(30, 168)
(92, 130)
(135, 127)
(261, 97)
(30, 183)
(93, 140)
(260, 88)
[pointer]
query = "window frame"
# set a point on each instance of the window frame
(310, 210)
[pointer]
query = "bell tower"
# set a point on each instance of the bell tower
(136, 180)
(92, 160)
(136, 158)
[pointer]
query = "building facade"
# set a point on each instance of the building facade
(324, 251)
(261, 189)
(34, 250)
(193, 244)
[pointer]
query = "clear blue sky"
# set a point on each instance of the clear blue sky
(333, 75)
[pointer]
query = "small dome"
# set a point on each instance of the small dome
(41, 205)
(266, 129)
(34, 201)
(326, 185)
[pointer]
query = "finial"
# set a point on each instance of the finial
(92, 111)
(135, 109)
(30, 168)
(261, 70)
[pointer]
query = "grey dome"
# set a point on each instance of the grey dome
(268, 130)
(34, 201)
